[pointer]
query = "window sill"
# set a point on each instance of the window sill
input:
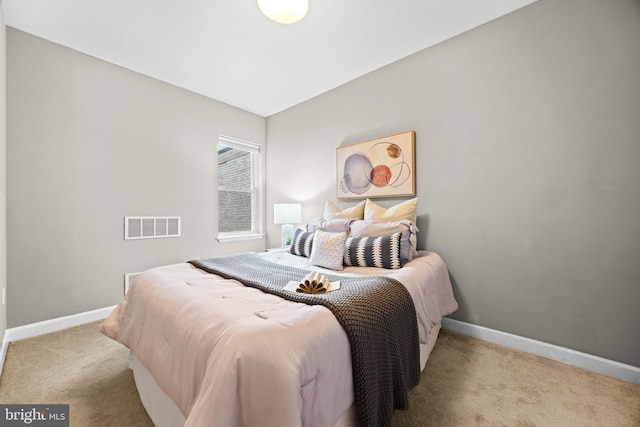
(239, 237)
(280, 249)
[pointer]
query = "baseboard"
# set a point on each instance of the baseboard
(57, 324)
(549, 351)
(52, 325)
(561, 354)
(3, 352)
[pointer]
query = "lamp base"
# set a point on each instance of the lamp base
(287, 235)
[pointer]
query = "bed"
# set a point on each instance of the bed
(207, 350)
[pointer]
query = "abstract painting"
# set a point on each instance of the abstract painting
(381, 167)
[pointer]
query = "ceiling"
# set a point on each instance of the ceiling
(227, 50)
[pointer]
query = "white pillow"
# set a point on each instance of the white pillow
(337, 225)
(333, 211)
(328, 249)
(405, 210)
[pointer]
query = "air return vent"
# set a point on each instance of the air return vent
(151, 227)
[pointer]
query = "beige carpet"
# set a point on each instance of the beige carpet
(467, 382)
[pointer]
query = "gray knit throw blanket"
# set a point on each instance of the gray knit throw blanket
(376, 312)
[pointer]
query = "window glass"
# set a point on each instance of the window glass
(237, 187)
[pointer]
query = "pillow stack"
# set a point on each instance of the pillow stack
(366, 235)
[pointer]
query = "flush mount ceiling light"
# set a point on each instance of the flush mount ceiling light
(284, 11)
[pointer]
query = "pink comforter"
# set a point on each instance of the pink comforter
(230, 355)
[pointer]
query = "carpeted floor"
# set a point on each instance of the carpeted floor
(467, 382)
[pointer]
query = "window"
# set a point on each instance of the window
(238, 195)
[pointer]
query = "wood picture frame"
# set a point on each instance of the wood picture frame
(381, 167)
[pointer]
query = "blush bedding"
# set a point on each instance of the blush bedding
(231, 355)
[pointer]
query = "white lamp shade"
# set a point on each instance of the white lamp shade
(287, 213)
(284, 11)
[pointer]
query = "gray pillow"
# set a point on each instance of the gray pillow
(337, 225)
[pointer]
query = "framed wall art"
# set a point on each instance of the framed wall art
(381, 167)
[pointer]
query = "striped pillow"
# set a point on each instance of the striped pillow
(301, 243)
(381, 251)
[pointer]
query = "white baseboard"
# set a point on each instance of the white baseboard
(52, 325)
(549, 351)
(561, 354)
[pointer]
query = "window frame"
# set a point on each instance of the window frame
(255, 190)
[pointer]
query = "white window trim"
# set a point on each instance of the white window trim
(238, 143)
(237, 237)
(256, 166)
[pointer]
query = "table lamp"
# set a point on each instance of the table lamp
(287, 214)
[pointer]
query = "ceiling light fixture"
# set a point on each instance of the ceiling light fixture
(284, 11)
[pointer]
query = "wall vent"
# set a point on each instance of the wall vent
(128, 278)
(151, 227)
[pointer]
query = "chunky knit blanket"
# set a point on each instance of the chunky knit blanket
(377, 314)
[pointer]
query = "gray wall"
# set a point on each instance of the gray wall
(528, 167)
(89, 143)
(3, 171)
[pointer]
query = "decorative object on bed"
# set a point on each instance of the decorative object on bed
(287, 214)
(312, 280)
(381, 167)
(328, 249)
(383, 252)
(301, 243)
(405, 210)
(314, 283)
(312, 288)
(333, 211)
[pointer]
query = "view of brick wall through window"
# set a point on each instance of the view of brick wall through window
(234, 190)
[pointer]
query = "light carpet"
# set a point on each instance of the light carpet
(467, 382)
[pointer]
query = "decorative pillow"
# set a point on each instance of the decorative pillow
(301, 243)
(337, 225)
(404, 210)
(328, 249)
(373, 251)
(381, 228)
(333, 211)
